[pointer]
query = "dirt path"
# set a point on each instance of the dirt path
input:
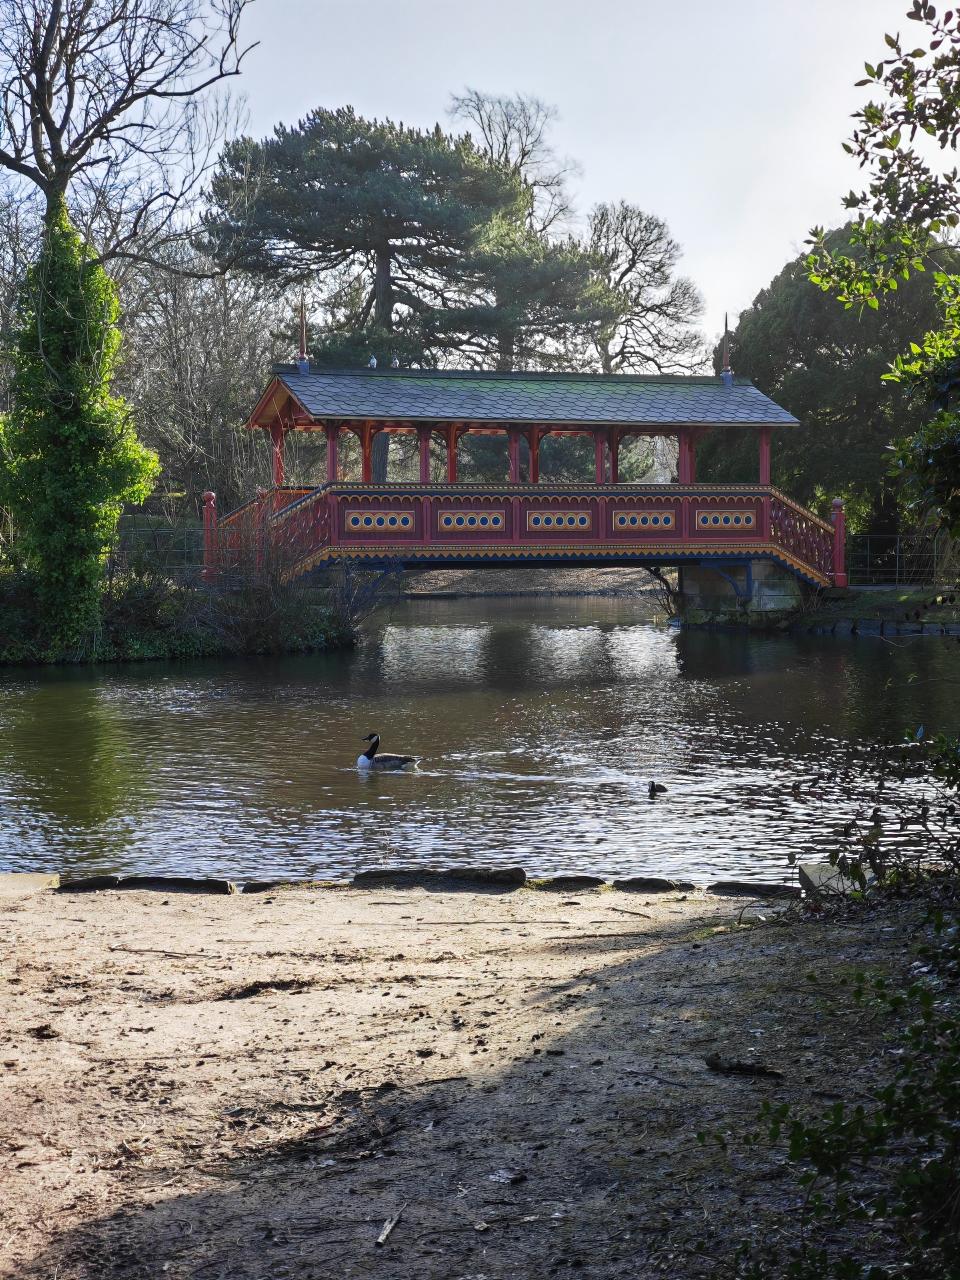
(252, 1086)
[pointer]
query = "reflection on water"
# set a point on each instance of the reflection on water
(539, 724)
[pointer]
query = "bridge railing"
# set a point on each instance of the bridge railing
(438, 523)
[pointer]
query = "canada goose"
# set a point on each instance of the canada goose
(370, 760)
(655, 789)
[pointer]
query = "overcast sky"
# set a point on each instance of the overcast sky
(725, 119)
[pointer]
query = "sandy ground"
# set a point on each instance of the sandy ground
(252, 1086)
(594, 581)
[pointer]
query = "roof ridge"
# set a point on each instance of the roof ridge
(517, 375)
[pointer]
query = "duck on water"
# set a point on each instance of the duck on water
(373, 759)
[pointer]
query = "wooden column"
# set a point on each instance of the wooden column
(366, 453)
(451, 434)
(333, 452)
(276, 435)
(614, 456)
(513, 449)
(600, 455)
(765, 455)
(534, 455)
(424, 434)
(683, 456)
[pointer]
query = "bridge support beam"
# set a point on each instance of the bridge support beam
(765, 455)
(451, 434)
(614, 456)
(687, 459)
(513, 451)
(424, 435)
(534, 455)
(365, 433)
(333, 451)
(276, 436)
(600, 456)
(839, 544)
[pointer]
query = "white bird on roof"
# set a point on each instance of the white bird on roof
(372, 362)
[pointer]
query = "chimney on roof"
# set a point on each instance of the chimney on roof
(303, 360)
(726, 373)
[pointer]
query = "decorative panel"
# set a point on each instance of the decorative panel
(378, 521)
(471, 520)
(537, 521)
(625, 520)
(724, 520)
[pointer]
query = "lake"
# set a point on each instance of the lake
(539, 724)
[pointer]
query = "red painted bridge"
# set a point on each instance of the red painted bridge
(730, 530)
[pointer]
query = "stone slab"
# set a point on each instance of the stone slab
(653, 884)
(500, 877)
(753, 889)
(563, 884)
(821, 879)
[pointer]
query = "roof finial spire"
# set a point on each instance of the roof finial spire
(726, 373)
(303, 360)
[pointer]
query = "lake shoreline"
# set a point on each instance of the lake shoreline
(256, 1084)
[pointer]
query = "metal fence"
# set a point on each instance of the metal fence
(914, 559)
(160, 543)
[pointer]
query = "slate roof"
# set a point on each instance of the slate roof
(570, 398)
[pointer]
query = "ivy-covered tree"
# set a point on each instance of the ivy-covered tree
(69, 458)
(826, 365)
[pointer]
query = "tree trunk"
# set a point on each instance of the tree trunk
(383, 320)
(383, 291)
(506, 350)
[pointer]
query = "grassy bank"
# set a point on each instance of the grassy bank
(893, 605)
(150, 616)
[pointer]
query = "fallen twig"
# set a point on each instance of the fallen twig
(388, 1226)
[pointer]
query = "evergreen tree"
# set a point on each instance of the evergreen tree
(69, 459)
(530, 298)
(394, 208)
(826, 365)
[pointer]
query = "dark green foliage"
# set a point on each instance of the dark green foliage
(826, 365)
(392, 208)
(530, 298)
(880, 1181)
(901, 215)
(69, 459)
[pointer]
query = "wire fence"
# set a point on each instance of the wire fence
(161, 543)
(893, 560)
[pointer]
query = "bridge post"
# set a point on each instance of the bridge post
(513, 450)
(600, 456)
(424, 434)
(333, 448)
(839, 543)
(451, 453)
(259, 526)
(366, 453)
(276, 435)
(211, 557)
(765, 455)
(614, 456)
(534, 455)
